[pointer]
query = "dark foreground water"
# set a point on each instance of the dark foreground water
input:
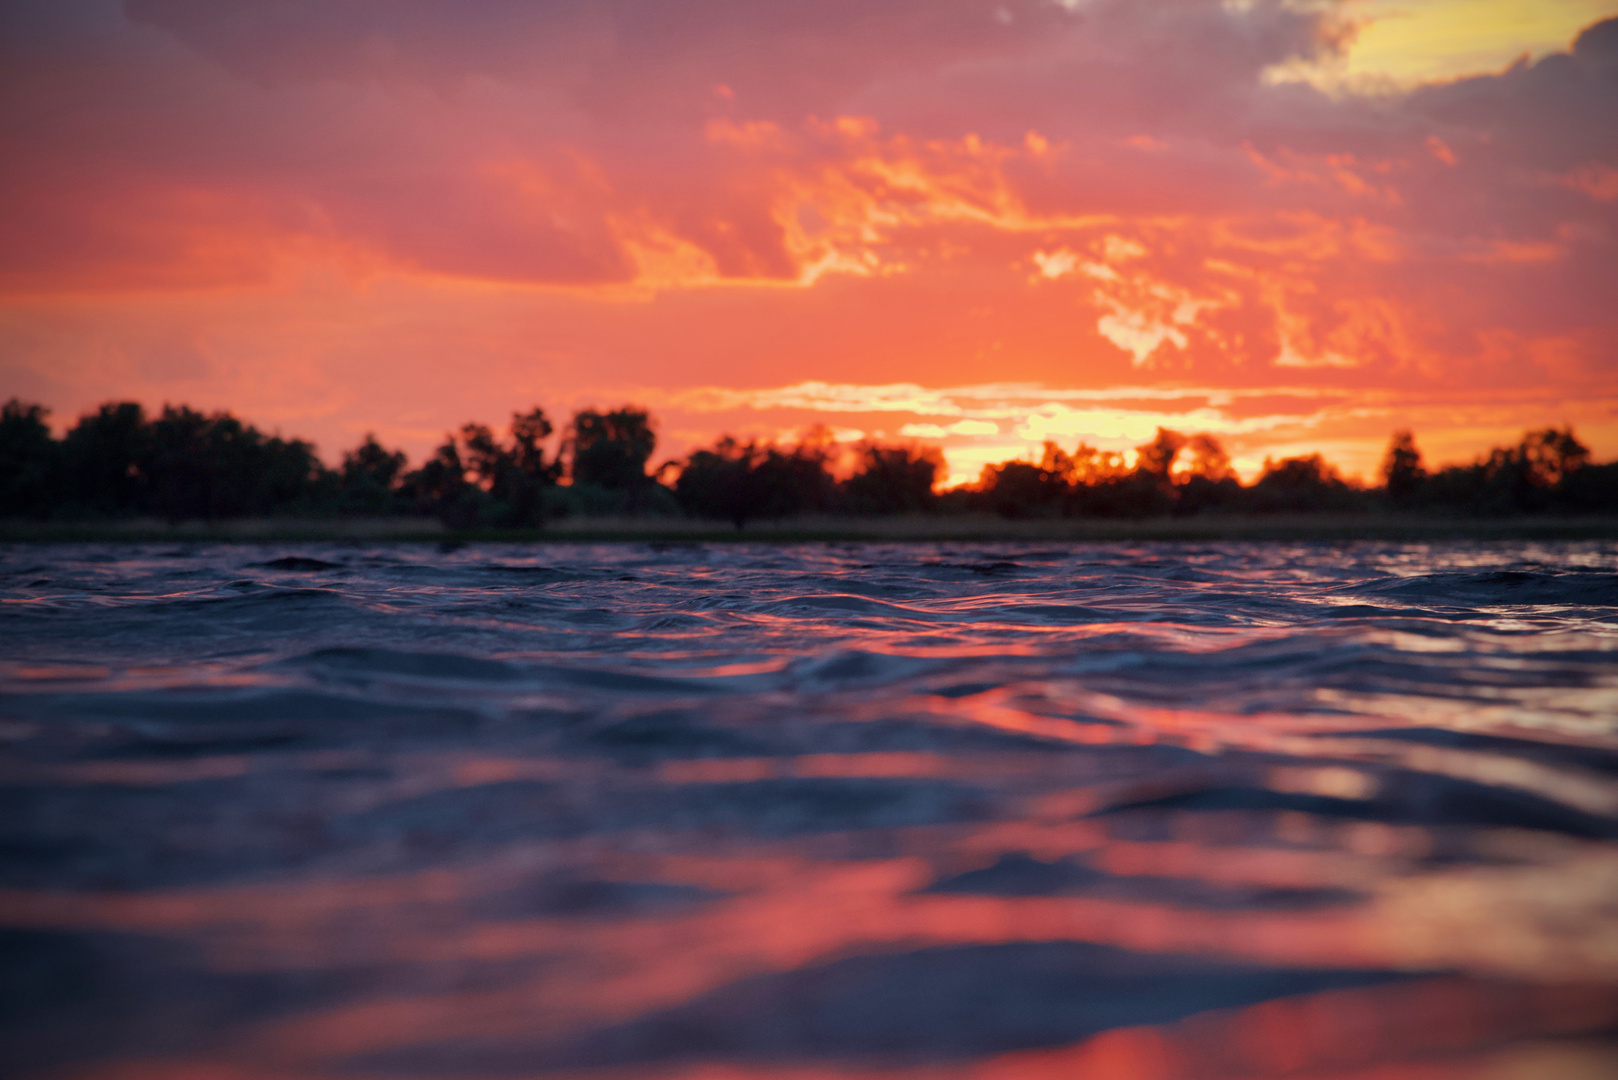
(991, 811)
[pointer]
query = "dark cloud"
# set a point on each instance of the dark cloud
(617, 57)
(628, 60)
(1559, 110)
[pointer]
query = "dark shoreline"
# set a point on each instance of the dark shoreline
(895, 529)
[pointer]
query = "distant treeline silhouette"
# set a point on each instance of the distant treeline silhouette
(120, 462)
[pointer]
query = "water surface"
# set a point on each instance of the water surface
(947, 810)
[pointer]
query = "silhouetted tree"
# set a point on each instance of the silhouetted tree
(482, 454)
(893, 479)
(187, 480)
(474, 478)
(1102, 486)
(440, 488)
(610, 449)
(1086, 466)
(1156, 458)
(795, 481)
(1551, 456)
(1304, 483)
(1590, 489)
(1098, 479)
(291, 477)
(215, 466)
(739, 482)
(1021, 489)
(515, 475)
(185, 464)
(1402, 472)
(105, 457)
(368, 481)
(1208, 459)
(1149, 490)
(1091, 482)
(1209, 483)
(528, 431)
(720, 483)
(30, 461)
(1530, 477)
(526, 475)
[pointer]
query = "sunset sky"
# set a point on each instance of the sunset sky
(983, 223)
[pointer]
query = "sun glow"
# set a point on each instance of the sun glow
(1402, 43)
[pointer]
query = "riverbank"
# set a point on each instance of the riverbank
(1278, 527)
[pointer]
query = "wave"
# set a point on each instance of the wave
(544, 809)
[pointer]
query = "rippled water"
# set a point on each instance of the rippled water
(950, 810)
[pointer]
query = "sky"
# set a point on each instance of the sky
(1296, 225)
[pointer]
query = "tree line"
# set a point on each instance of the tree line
(180, 464)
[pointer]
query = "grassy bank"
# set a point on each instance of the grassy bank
(1277, 527)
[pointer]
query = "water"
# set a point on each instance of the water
(753, 811)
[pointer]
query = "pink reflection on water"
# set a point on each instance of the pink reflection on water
(1532, 930)
(1496, 944)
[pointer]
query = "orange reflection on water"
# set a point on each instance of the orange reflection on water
(1432, 1027)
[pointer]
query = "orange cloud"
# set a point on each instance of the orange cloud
(342, 217)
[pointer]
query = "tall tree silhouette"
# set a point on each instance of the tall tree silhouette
(1156, 458)
(440, 488)
(893, 479)
(610, 449)
(1209, 484)
(29, 461)
(1402, 471)
(105, 457)
(1208, 458)
(528, 431)
(517, 474)
(1551, 456)
(368, 481)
